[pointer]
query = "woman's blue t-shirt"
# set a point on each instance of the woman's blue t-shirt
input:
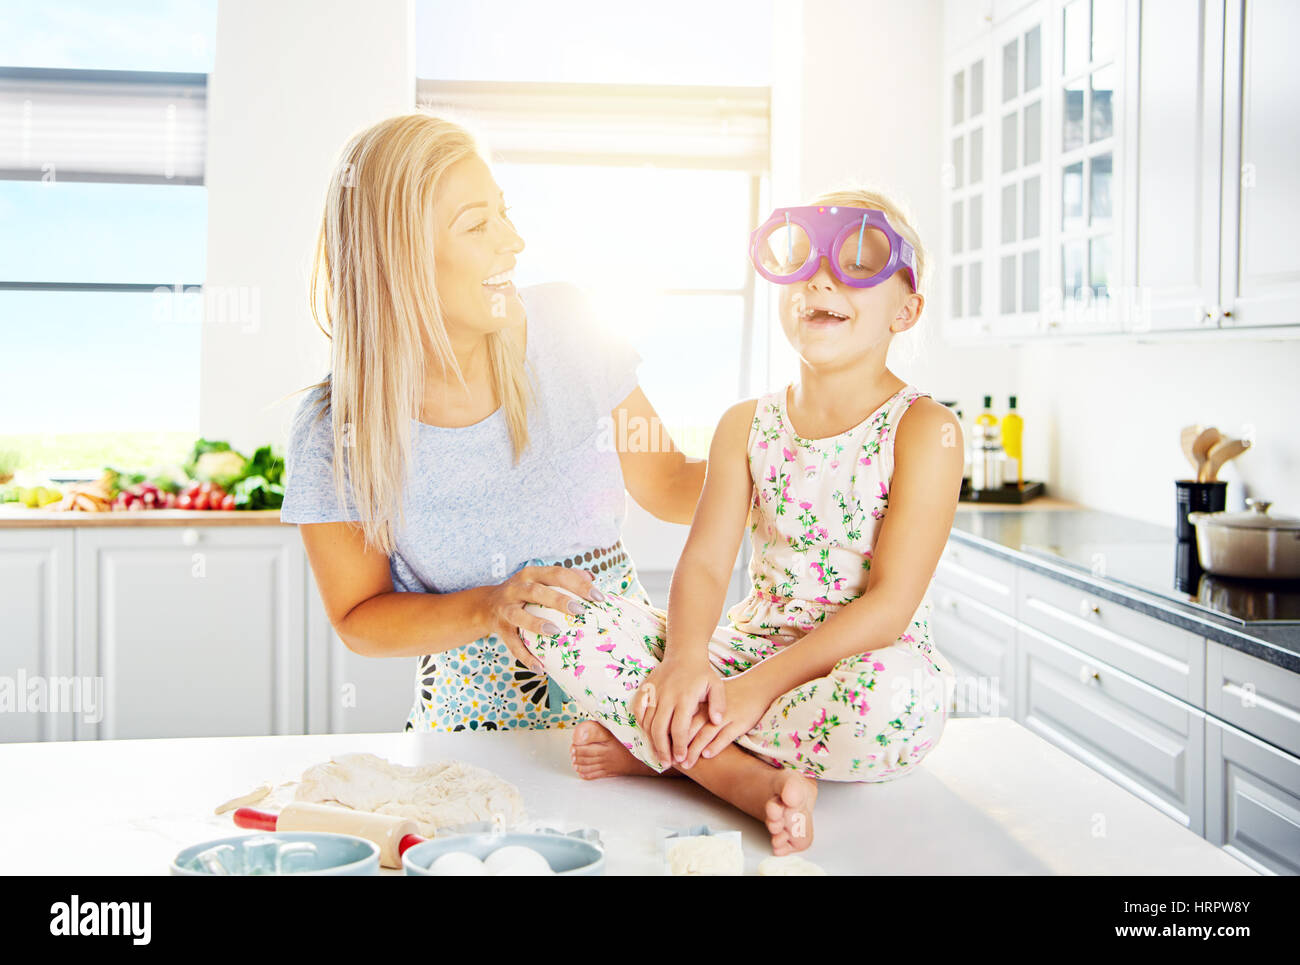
(473, 517)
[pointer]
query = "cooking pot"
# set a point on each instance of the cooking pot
(1252, 544)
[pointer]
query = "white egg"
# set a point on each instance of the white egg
(457, 863)
(515, 859)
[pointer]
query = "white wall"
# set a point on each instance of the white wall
(293, 80)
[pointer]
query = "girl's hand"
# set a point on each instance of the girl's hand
(746, 702)
(667, 703)
(535, 584)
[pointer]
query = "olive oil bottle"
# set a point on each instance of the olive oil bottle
(1012, 432)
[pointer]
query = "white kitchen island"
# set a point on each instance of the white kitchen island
(992, 798)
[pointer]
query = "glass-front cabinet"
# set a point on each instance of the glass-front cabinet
(1088, 294)
(1120, 167)
(965, 174)
(1018, 189)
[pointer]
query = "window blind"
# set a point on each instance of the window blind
(704, 127)
(102, 125)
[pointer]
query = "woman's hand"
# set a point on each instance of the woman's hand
(746, 700)
(535, 584)
(668, 700)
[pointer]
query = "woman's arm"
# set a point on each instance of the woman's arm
(375, 621)
(923, 497)
(663, 480)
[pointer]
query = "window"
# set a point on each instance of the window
(634, 156)
(102, 144)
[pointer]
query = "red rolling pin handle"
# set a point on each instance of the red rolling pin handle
(409, 841)
(254, 819)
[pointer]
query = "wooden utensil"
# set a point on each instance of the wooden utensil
(1187, 438)
(1201, 449)
(1220, 454)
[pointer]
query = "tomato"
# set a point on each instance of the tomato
(185, 502)
(205, 488)
(201, 501)
(228, 503)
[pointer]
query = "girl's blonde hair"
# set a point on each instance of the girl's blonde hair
(373, 281)
(865, 197)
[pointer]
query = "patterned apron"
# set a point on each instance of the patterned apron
(481, 686)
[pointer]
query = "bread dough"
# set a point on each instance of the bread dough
(705, 854)
(244, 800)
(788, 864)
(434, 796)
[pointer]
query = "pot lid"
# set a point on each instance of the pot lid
(1256, 517)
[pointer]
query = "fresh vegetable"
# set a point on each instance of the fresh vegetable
(37, 497)
(255, 492)
(223, 468)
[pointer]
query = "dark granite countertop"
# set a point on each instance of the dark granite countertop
(1143, 566)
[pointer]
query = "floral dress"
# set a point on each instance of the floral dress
(817, 505)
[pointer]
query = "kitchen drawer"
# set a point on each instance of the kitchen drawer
(978, 574)
(980, 642)
(1137, 736)
(1252, 799)
(1167, 657)
(1259, 697)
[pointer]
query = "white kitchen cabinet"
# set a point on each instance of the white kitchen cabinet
(1260, 263)
(196, 632)
(1174, 220)
(1252, 799)
(1018, 187)
(42, 694)
(965, 182)
(1165, 193)
(972, 617)
(346, 692)
(980, 642)
(1259, 697)
(1165, 656)
(1133, 733)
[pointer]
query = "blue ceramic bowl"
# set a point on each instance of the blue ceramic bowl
(579, 853)
(336, 854)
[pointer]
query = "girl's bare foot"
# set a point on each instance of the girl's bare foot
(595, 752)
(789, 812)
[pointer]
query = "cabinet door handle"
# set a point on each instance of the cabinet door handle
(190, 537)
(1086, 607)
(1088, 675)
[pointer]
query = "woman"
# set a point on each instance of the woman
(478, 475)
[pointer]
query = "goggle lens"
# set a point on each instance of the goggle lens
(863, 253)
(784, 249)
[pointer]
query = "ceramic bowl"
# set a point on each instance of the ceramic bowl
(579, 853)
(336, 854)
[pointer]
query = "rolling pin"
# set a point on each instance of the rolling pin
(393, 835)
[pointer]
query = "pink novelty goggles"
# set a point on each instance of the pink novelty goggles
(861, 245)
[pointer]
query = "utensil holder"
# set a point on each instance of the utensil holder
(1202, 497)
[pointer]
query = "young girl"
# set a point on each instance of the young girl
(848, 480)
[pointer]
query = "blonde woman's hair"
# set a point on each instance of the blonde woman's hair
(858, 196)
(373, 282)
